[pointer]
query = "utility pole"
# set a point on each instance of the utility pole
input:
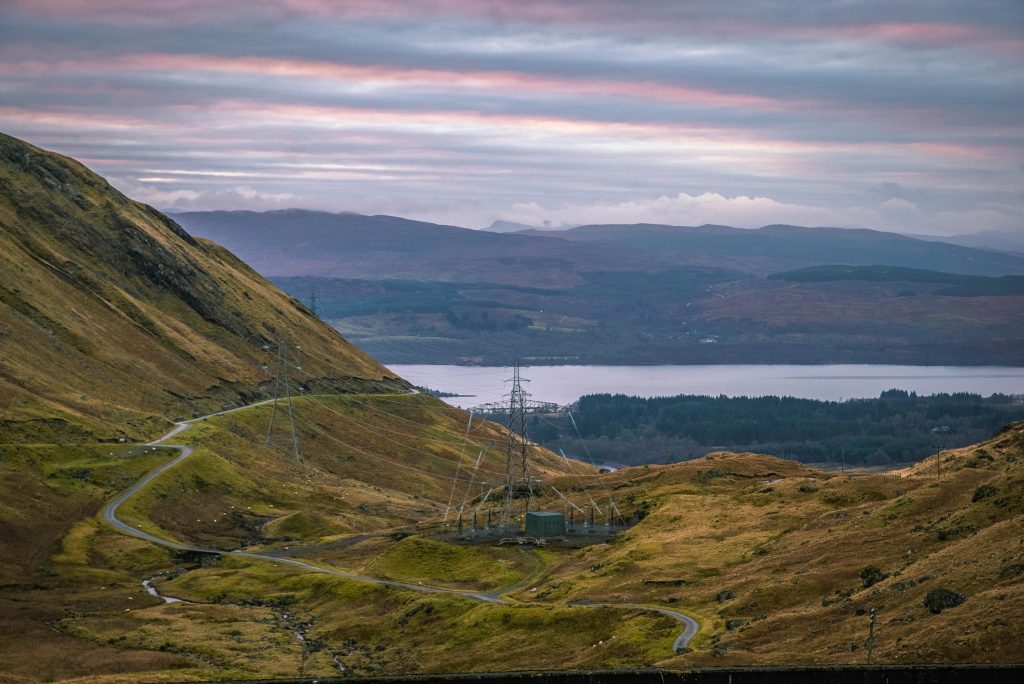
(938, 465)
(312, 304)
(613, 512)
(871, 636)
(282, 378)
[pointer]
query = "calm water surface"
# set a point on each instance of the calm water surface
(565, 384)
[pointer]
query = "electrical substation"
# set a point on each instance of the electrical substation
(522, 508)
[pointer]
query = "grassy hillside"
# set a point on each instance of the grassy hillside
(113, 318)
(780, 563)
(372, 465)
(369, 463)
(784, 563)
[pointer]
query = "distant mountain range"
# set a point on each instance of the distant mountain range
(508, 227)
(986, 239)
(306, 243)
(415, 292)
(780, 247)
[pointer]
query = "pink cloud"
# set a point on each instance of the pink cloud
(958, 151)
(928, 34)
(74, 119)
(500, 81)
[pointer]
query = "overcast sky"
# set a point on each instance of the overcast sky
(906, 116)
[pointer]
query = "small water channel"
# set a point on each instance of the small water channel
(147, 584)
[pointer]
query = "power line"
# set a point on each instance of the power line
(379, 430)
(451, 496)
(519, 482)
(359, 424)
(447, 412)
(374, 456)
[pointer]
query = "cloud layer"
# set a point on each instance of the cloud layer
(902, 117)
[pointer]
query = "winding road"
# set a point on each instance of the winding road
(110, 516)
(682, 641)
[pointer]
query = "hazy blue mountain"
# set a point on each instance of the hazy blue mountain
(296, 242)
(508, 227)
(310, 243)
(779, 247)
(986, 239)
(417, 292)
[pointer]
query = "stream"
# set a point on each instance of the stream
(148, 586)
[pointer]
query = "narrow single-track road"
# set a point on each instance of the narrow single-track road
(682, 641)
(110, 515)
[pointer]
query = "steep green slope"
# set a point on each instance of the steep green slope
(113, 318)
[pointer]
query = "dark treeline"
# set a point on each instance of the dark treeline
(897, 427)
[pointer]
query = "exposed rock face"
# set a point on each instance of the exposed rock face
(871, 575)
(940, 599)
(983, 492)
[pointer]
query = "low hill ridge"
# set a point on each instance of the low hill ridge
(779, 247)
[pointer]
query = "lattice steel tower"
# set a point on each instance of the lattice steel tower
(282, 379)
(517, 469)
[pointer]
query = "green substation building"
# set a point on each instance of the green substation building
(545, 524)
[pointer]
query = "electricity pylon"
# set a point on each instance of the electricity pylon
(282, 378)
(517, 466)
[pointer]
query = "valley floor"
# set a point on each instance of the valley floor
(780, 563)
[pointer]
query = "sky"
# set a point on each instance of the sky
(904, 116)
